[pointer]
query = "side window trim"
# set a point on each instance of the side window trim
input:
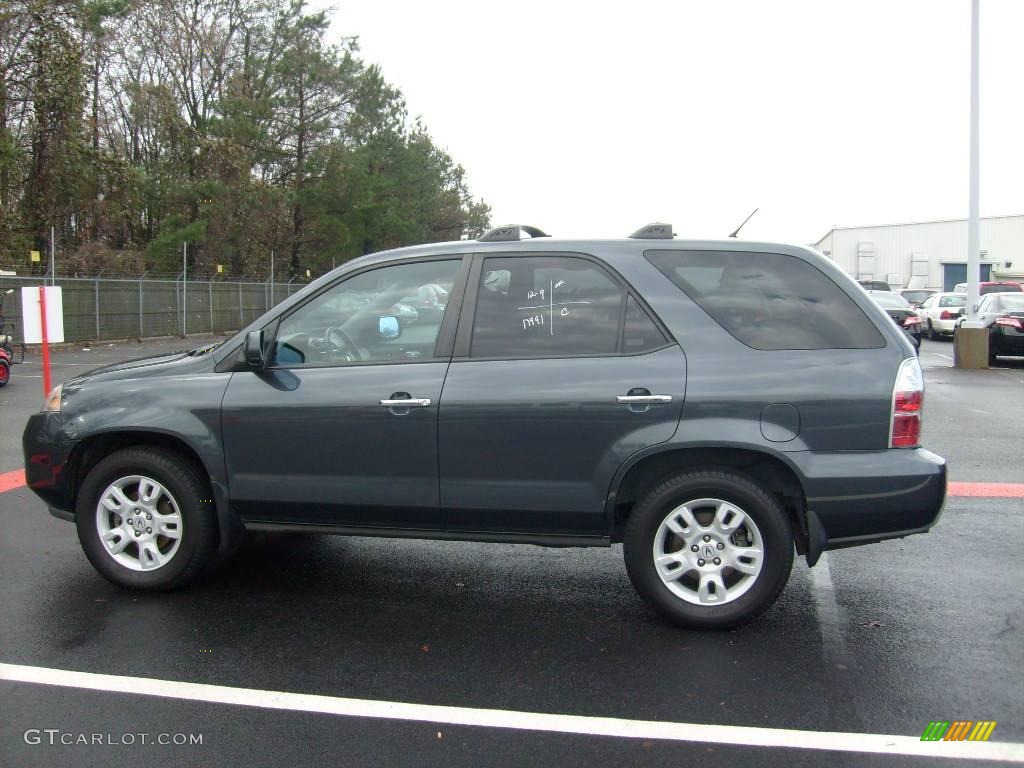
(270, 338)
(464, 334)
(450, 322)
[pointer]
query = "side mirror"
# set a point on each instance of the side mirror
(254, 349)
(389, 327)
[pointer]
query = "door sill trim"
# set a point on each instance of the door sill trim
(495, 537)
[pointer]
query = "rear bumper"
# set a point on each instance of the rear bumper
(1006, 343)
(865, 496)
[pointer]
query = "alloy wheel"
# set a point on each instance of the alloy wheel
(139, 523)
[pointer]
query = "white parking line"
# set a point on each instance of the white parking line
(744, 736)
(829, 615)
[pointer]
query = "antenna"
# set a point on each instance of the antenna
(737, 230)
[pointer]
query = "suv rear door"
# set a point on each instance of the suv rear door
(560, 373)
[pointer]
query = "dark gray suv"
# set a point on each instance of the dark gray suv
(714, 406)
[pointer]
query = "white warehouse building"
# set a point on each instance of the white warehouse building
(931, 254)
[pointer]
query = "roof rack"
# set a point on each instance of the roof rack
(655, 231)
(511, 232)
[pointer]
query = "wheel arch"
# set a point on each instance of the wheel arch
(88, 452)
(769, 469)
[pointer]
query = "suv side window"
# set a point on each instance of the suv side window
(389, 314)
(769, 301)
(640, 333)
(547, 306)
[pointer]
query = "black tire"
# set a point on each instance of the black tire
(190, 491)
(5, 373)
(932, 335)
(768, 517)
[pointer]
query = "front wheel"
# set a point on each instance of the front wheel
(5, 372)
(709, 548)
(145, 519)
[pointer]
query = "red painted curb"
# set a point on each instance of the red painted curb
(11, 480)
(987, 490)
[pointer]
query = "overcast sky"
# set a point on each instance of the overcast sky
(593, 118)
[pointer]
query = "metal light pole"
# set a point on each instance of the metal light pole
(970, 344)
(973, 223)
(184, 289)
(272, 302)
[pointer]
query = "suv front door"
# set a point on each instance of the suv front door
(320, 436)
(560, 375)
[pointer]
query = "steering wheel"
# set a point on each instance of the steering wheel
(342, 345)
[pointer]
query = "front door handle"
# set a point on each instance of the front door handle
(407, 402)
(643, 399)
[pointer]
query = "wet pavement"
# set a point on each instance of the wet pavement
(879, 639)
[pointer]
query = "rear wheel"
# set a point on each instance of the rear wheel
(5, 373)
(932, 335)
(145, 519)
(709, 548)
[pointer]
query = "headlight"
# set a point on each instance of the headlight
(52, 402)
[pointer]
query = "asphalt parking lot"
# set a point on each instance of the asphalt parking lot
(871, 645)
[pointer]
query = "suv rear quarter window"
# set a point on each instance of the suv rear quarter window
(769, 301)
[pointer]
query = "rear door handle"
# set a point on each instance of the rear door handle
(641, 399)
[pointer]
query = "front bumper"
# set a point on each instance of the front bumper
(865, 496)
(46, 457)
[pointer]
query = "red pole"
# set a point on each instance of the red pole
(46, 343)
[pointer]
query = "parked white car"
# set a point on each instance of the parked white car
(992, 306)
(939, 313)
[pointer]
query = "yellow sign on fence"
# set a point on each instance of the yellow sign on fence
(34, 255)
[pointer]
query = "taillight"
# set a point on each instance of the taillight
(1010, 322)
(946, 315)
(911, 321)
(907, 403)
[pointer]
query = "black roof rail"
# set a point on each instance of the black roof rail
(511, 232)
(658, 230)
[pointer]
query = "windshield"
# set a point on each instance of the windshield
(916, 295)
(999, 288)
(890, 301)
(1011, 302)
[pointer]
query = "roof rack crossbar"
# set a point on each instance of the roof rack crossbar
(511, 232)
(657, 230)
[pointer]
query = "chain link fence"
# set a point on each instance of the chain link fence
(98, 308)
